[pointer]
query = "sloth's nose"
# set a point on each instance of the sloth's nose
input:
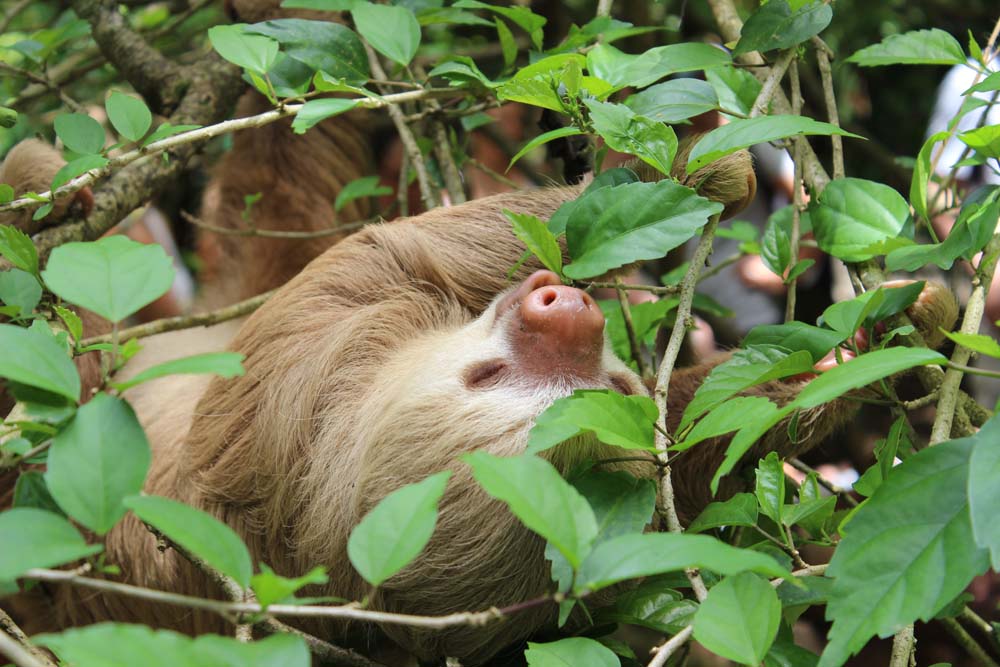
(564, 318)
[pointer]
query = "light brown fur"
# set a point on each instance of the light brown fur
(353, 389)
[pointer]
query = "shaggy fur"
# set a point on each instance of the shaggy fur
(353, 389)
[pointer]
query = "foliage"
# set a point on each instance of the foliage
(924, 529)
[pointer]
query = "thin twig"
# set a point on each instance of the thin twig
(18, 654)
(277, 233)
(10, 629)
(838, 491)
(771, 83)
(227, 609)
(185, 321)
(974, 310)
(664, 652)
(427, 194)
(797, 203)
(450, 172)
(832, 114)
(43, 81)
(652, 289)
(903, 645)
(633, 342)
(209, 132)
(968, 644)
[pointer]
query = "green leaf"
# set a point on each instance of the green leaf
(622, 69)
(539, 92)
(359, 188)
(526, 19)
(646, 319)
(540, 498)
(538, 239)
(507, 44)
(17, 248)
(396, 530)
(114, 277)
(977, 343)
(129, 115)
(196, 532)
(77, 167)
(614, 419)
(271, 588)
(862, 371)
(652, 604)
(316, 111)
(776, 26)
(984, 140)
(984, 494)
(252, 52)
(797, 336)
(739, 619)
(6, 193)
(625, 131)
(674, 101)
(31, 491)
(36, 359)
(223, 364)
(329, 47)
(614, 226)
(571, 652)
(745, 132)
(121, 645)
(812, 514)
(987, 85)
(922, 174)
(740, 510)
(42, 539)
(21, 289)
(745, 369)
(906, 553)
(640, 555)
(101, 457)
(732, 415)
(853, 216)
(736, 88)
(544, 138)
(72, 321)
(917, 47)
(462, 70)
(770, 486)
(80, 133)
(392, 30)
(167, 130)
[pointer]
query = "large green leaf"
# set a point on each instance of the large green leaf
(80, 133)
(17, 248)
(745, 132)
(854, 218)
(627, 132)
(572, 651)
(129, 115)
(796, 336)
(614, 226)
(320, 45)
(36, 538)
(640, 555)
(984, 492)
(737, 88)
(917, 47)
(540, 498)
(223, 364)
(739, 618)
(906, 553)
(252, 52)
(121, 645)
(653, 604)
(98, 460)
(740, 510)
(674, 101)
(624, 421)
(198, 533)
(622, 69)
(977, 343)
(745, 369)
(392, 30)
(537, 238)
(396, 530)
(33, 358)
(731, 415)
(114, 277)
(776, 26)
(984, 140)
(21, 289)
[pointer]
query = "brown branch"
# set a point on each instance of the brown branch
(16, 645)
(633, 341)
(968, 644)
(277, 233)
(184, 321)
